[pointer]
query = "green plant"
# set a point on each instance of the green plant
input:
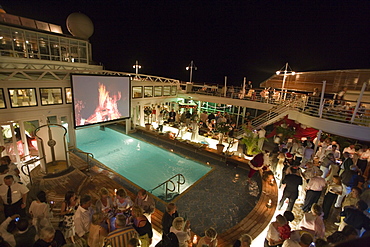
(250, 139)
(286, 132)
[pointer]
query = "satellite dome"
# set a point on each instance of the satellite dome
(80, 25)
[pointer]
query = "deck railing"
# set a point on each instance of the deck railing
(88, 156)
(337, 110)
(26, 163)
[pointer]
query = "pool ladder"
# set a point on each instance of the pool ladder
(180, 181)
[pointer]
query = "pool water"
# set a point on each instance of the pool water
(144, 164)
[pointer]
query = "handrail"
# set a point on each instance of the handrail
(88, 155)
(26, 165)
(174, 186)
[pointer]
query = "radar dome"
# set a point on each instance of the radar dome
(80, 25)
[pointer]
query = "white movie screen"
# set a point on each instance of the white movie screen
(98, 99)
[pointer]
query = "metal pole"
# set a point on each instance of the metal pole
(225, 86)
(320, 114)
(237, 119)
(284, 78)
(322, 98)
(317, 141)
(191, 70)
(358, 101)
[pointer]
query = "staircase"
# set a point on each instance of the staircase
(271, 116)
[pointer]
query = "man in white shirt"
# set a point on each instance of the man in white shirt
(8, 237)
(14, 196)
(334, 150)
(83, 217)
(146, 203)
(350, 149)
(314, 189)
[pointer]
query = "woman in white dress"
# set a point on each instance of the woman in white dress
(40, 211)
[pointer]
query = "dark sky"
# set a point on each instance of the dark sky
(224, 38)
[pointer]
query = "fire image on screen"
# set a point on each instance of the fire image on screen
(100, 99)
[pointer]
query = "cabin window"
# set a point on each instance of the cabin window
(137, 92)
(158, 91)
(148, 91)
(166, 90)
(2, 99)
(51, 96)
(68, 93)
(173, 90)
(22, 97)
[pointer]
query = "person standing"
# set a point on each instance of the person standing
(292, 182)
(68, 210)
(355, 217)
(14, 196)
(97, 233)
(273, 237)
(334, 189)
(346, 163)
(181, 229)
(145, 202)
(168, 217)
(314, 189)
(261, 136)
(350, 149)
(364, 157)
(172, 116)
(83, 217)
(40, 211)
(313, 223)
(142, 226)
(325, 165)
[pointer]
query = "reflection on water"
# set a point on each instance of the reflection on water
(144, 164)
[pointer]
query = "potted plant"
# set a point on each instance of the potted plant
(148, 112)
(222, 129)
(285, 131)
(250, 139)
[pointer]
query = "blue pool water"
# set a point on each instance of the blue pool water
(143, 164)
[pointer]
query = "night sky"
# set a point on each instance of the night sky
(224, 38)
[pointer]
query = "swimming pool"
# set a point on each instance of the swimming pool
(144, 164)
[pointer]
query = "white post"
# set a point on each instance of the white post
(284, 78)
(317, 141)
(322, 98)
(358, 101)
(191, 71)
(225, 86)
(243, 92)
(137, 67)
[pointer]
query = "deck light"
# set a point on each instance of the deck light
(191, 67)
(286, 70)
(137, 66)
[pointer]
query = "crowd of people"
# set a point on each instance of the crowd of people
(325, 182)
